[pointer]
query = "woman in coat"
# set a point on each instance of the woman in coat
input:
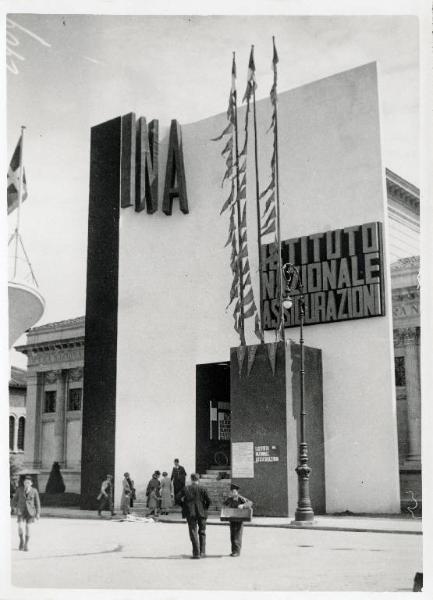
(125, 501)
(166, 493)
(152, 493)
(26, 500)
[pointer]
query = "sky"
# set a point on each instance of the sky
(66, 73)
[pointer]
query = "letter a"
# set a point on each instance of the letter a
(175, 184)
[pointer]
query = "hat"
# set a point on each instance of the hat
(29, 477)
(234, 486)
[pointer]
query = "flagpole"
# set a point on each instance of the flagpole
(20, 192)
(238, 211)
(277, 187)
(259, 233)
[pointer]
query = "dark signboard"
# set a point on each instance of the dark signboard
(266, 453)
(341, 271)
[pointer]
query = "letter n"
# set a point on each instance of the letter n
(175, 184)
(127, 161)
(147, 166)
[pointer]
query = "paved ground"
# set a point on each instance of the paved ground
(391, 523)
(69, 553)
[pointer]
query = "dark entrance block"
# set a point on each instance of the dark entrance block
(99, 394)
(213, 416)
(264, 398)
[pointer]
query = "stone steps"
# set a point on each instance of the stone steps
(218, 489)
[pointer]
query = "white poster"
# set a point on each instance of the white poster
(242, 459)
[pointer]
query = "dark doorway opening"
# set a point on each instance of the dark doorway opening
(213, 417)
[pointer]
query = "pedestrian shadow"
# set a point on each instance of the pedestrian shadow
(118, 548)
(174, 557)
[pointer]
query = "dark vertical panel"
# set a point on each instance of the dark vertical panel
(99, 387)
(258, 405)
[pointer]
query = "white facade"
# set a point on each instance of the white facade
(174, 280)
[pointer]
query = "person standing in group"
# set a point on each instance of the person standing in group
(166, 493)
(195, 503)
(235, 500)
(127, 489)
(105, 496)
(132, 487)
(153, 495)
(26, 500)
(178, 477)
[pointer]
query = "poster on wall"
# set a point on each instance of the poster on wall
(243, 459)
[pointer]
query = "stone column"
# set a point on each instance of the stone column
(33, 417)
(59, 426)
(413, 392)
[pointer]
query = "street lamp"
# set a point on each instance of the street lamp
(304, 514)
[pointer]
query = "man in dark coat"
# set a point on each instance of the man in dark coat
(195, 503)
(178, 477)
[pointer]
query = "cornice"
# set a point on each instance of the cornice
(59, 325)
(56, 345)
(402, 191)
(410, 263)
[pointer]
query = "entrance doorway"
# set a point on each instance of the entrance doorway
(213, 416)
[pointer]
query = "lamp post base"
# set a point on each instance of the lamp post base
(304, 511)
(303, 523)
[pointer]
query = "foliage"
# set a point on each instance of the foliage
(55, 483)
(15, 465)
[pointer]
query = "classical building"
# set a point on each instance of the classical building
(404, 224)
(17, 411)
(406, 317)
(55, 355)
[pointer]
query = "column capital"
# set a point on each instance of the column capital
(53, 376)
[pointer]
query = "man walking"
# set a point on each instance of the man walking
(26, 500)
(195, 503)
(106, 496)
(178, 477)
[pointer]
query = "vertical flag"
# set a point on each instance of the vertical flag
(241, 292)
(251, 90)
(230, 153)
(251, 77)
(250, 305)
(13, 179)
(270, 212)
